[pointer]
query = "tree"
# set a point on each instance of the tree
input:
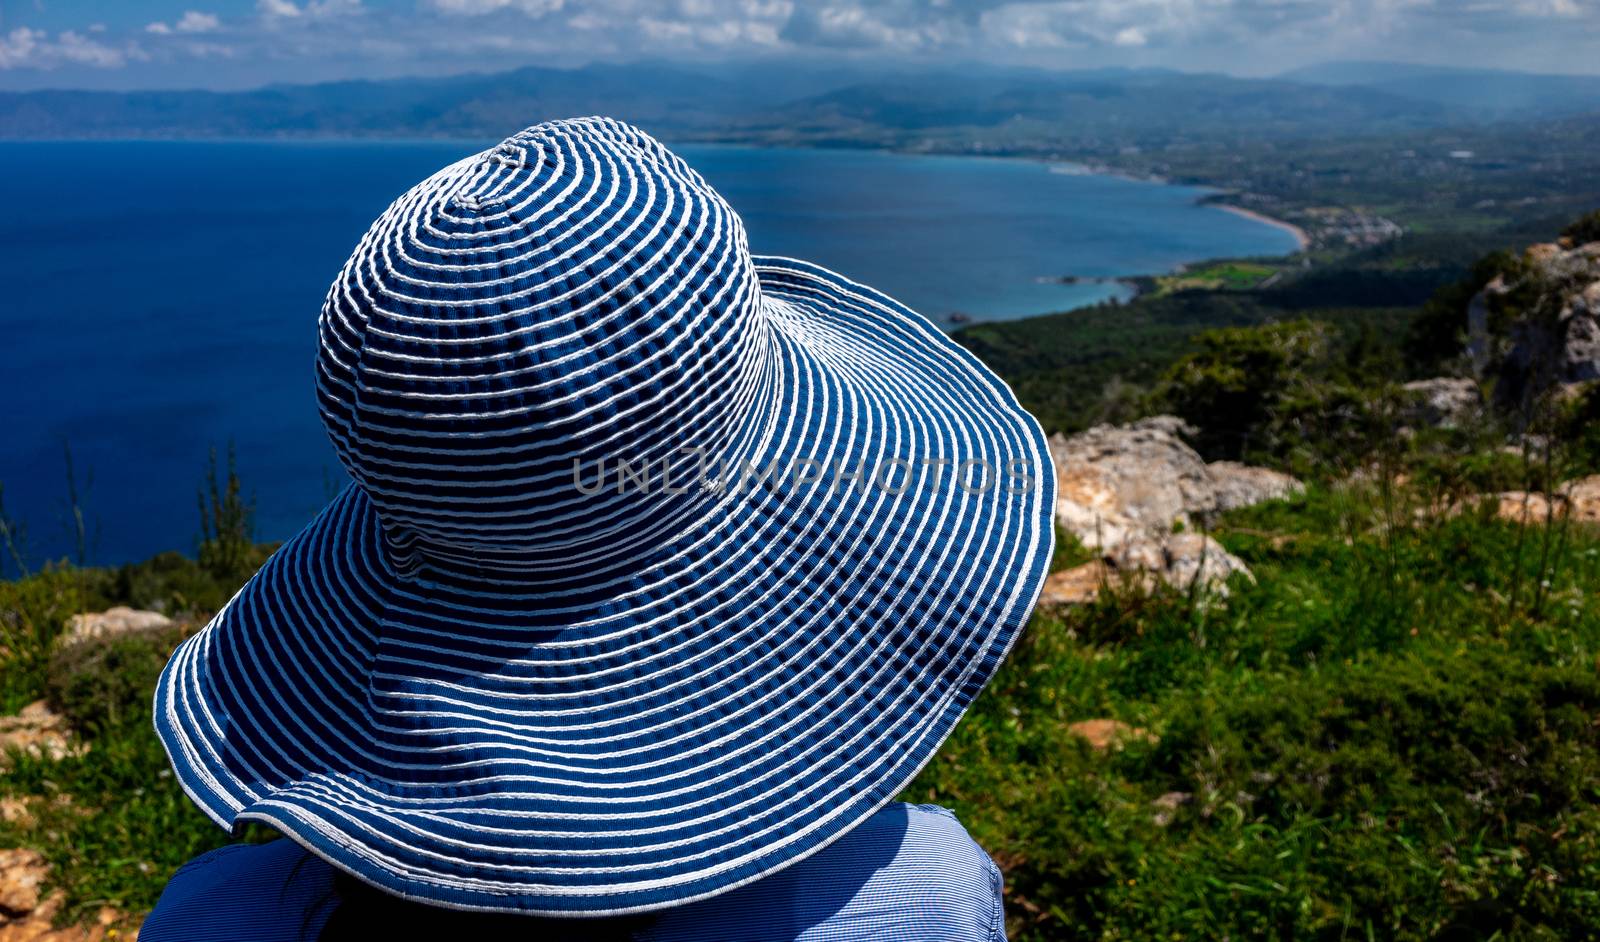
(1231, 388)
(1584, 230)
(1437, 336)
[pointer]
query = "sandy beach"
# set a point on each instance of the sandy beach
(1291, 228)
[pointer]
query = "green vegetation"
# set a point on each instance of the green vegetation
(34, 609)
(227, 524)
(1099, 364)
(1240, 381)
(110, 819)
(1584, 230)
(1234, 275)
(1578, 424)
(1391, 734)
(1396, 310)
(1454, 182)
(1436, 338)
(1394, 219)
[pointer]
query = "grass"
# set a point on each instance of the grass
(1391, 734)
(111, 821)
(1236, 276)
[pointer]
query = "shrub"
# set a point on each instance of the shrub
(102, 684)
(1584, 230)
(1577, 426)
(1436, 337)
(32, 613)
(1232, 387)
(175, 584)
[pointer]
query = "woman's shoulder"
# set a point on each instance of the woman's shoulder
(272, 892)
(909, 872)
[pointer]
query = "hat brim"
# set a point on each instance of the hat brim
(729, 706)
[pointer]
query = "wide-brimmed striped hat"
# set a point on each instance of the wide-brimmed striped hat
(664, 564)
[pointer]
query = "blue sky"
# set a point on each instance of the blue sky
(240, 43)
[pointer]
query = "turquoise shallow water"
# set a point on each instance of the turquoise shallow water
(161, 297)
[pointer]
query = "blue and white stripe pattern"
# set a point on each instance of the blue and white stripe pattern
(470, 683)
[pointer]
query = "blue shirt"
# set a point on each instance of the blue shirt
(910, 873)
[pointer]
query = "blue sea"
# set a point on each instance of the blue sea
(161, 298)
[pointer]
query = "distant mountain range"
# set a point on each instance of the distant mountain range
(463, 105)
(1482, 93)
(1125, 108)
(959, 107)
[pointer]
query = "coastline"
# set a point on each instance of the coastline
(1077, 168)
(1299, 234)
(1074, 169)
(1126, 288)
(1052, 164)
(1130, 287)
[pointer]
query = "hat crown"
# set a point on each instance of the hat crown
(573, 298)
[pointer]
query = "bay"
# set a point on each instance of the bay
(160, 298)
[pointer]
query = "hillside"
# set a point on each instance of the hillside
(956, 106)
(1360, 704)
(1091, 109)
(1081, 367)
(1493, 93)
(472, 105)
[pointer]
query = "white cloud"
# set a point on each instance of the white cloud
(315, 38)
(724, 34)
(75, 47)
(620, 27)
(209, 50)
(193, 21)
(317, 9)
(855, 25)
(276, 12)
(480, 7)
(33, 48)
(1133, 24)
(1567, 9)
(17, 47)
(1025, 26)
